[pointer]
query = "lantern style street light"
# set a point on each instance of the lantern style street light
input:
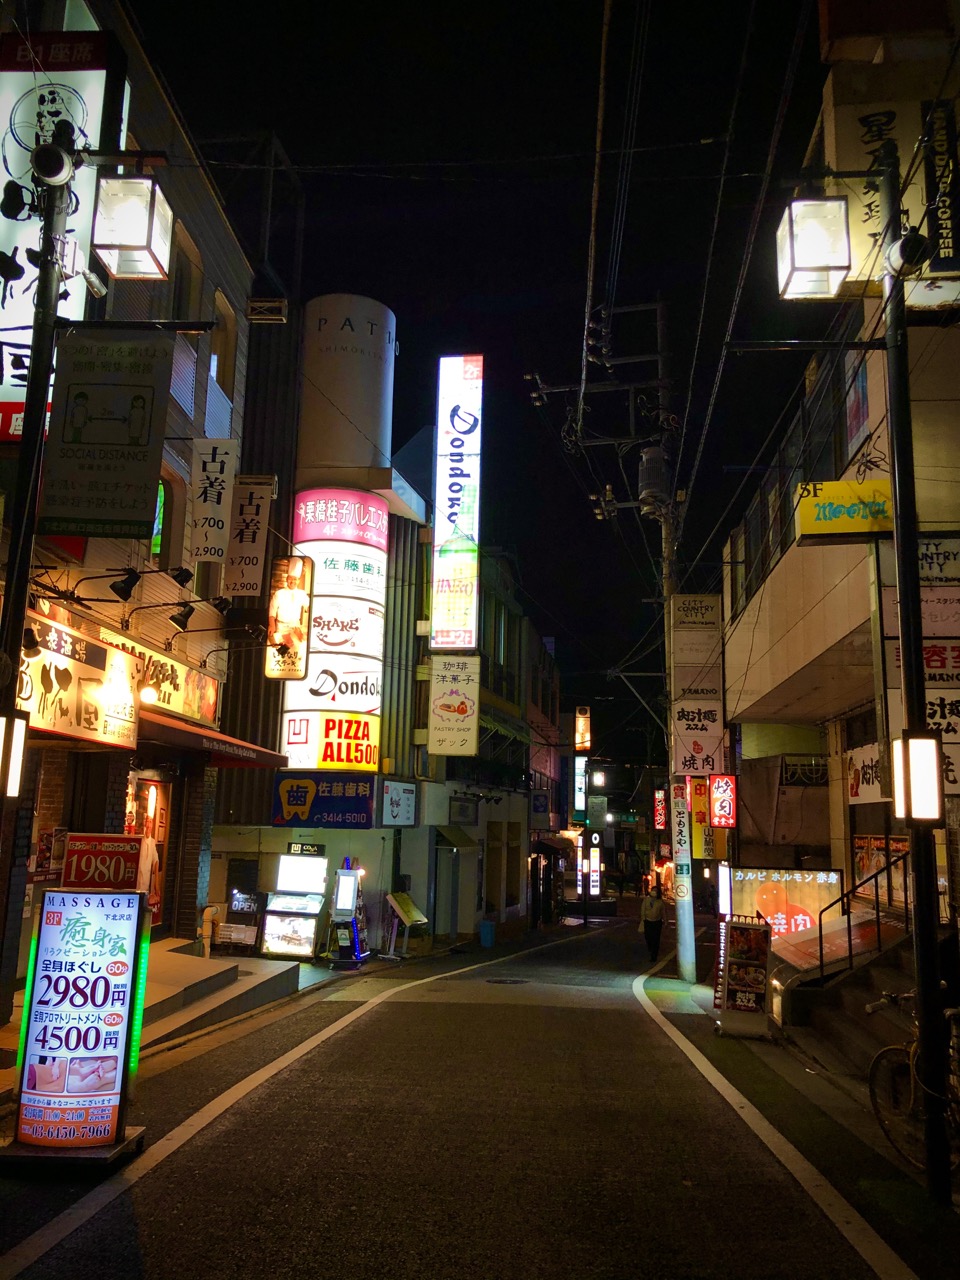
(918, 779)
(133, 228)
(813, 248)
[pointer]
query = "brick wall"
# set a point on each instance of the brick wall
(54, 771)
(115, 804)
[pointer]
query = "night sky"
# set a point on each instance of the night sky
(447, 155)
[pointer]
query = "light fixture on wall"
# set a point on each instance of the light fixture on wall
(133, 228)
(181, 619)
(13, 738)
(918, 779)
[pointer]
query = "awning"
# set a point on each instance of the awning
(456, 838)
(554, 844)
(224, 751)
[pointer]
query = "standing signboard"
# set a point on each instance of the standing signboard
(80, 1035)
(746, 953)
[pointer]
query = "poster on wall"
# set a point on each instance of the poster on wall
(454, 720)
(212, 471)
(288, 618)
(790, 901)
(399, 804)
(82, 1016)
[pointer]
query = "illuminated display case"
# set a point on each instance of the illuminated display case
(292, 918)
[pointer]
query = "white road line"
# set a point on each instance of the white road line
(23, 1255)
(874, 1251)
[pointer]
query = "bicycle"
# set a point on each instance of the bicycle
(897, 1094)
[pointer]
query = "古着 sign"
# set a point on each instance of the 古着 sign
(246, 549)
(454, 719)
(101, 464)
(212, 471)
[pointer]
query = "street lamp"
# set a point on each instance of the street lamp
(813, 248)
(133, 228)
(901, 255)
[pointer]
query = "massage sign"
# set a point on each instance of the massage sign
(80, 1033)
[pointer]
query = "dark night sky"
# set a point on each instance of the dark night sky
(447, 156)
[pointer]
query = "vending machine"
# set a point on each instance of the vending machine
(291, 920)
(348, 918)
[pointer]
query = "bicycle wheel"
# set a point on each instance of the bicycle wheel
(897, 1102)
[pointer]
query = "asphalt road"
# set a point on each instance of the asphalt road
(468, 1118)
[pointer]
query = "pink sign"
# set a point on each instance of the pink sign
(340, 515)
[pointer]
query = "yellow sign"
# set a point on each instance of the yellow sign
(349, 741)
(842, 510)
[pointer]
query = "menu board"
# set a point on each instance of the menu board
(82, 1018)
(745, 977)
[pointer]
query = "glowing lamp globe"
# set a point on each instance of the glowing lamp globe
(813, 248)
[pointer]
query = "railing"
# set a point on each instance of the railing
(845, 902)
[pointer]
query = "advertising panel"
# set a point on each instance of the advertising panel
(309, 798)
(697, 736)
(790, 901)
(941, 662)
(245, 564)
(580, 784)
(682, 846)
(399, 804)
(747, 952)
(660, 809)
(212, 472)
(339, 624)
(314, 740)
(184, 690)
(343, 569)
(342, 680)
(101, 862)
(723, 800)
(861, 771)
(288, 618)
(341, 515)
(82, 1016)
(101, 463)
(701, 833)
(289, 935)
(74, 86)
(939, 608)
(453, 621)
(942, 716)
(842, 510)
(454, 721)
(70, 684)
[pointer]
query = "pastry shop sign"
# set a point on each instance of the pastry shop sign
(82, 1017)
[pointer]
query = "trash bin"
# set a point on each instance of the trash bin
(488, 933)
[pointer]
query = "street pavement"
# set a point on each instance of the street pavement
(542, 1109)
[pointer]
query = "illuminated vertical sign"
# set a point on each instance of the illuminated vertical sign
(456, 504)
(594, 840)
(45, 80)
(723, 800)
(212, 471)
(331, 718)
(660, 809)
(580, 784)
(581, 730)
(81, 1023)
(288, 618)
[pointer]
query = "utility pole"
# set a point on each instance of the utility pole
(53, 168)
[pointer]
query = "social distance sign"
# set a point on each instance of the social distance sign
(81, 1021)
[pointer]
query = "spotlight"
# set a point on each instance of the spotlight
(29, 645)
(124, 587)
(181, 618)
(181, 576)
(222, 605)
(149, 692)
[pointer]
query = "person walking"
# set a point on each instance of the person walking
(651, 921)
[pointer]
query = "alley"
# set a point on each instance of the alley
(483, 1115)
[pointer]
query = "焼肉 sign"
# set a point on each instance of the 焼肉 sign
(81, 1022)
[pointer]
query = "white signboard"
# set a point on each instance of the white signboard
(249, 517)
(81, 1016)
(73, 685)
(212, 472)
(340, 624)
(939, 607)
(861, 772)
(338, 682)
(697, 736)
(456, 532)
(71, 87)
(682, 841)
(943, 714)
(941, 661)
(399, 804)
(345, 569)
(102, 459)
(695, 681)
(938, 559)
(454, 722)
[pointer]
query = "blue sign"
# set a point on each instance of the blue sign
(316, 798)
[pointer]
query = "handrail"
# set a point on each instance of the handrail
(844, 902)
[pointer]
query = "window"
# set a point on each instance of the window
(187, 287)
(223, 345)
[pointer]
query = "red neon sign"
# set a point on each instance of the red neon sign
(723, 800)
(660, 809)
